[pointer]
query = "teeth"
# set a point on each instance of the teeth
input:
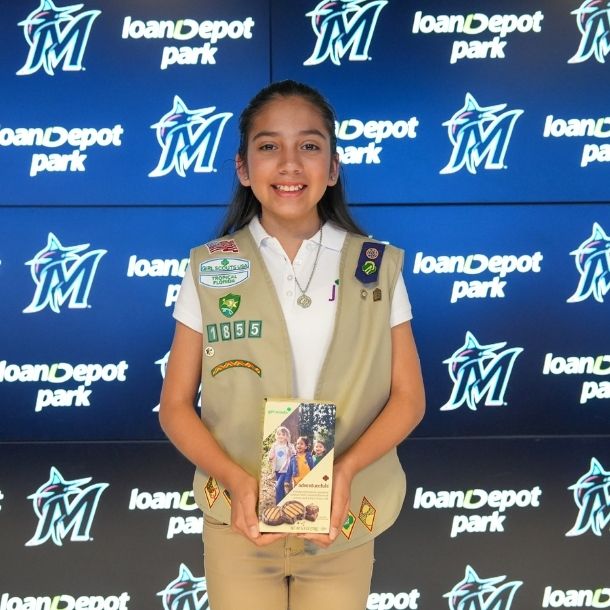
(289, 188)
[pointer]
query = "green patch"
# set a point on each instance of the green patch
(229, 304)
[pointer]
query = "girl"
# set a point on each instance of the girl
(280, 454)
(301, 463)
(319, 450)
(287, 240)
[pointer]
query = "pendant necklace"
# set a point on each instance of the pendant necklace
(304, 300)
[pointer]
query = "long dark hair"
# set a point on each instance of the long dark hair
(244, 205)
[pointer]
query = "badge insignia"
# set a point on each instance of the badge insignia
(209, 351)
(367, 514)
(229, 304)
(348, 525)
(369, 262)
(212, 491)
(377, 294)
(230, 364)
(222, 245)
(224, 272)
(363, 293)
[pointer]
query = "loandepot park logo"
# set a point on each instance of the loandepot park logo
(159, 267)
(62, 274)
(479, 372)
(499, 500)
(480, 136)
(474, 24)
(57, 36)
(582, 128)
(474, 593)
(592, 497)
(186, 592)
(500, 265)
(593, 20)
(343, 26)
(65, 508)
(182, 30)
(392, 601)
(188, 138)
(373, 133)
(592, 260)
(173, 501)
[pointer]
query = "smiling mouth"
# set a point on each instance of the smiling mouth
(289, 188)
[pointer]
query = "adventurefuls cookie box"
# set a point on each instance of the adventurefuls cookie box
(296, 466)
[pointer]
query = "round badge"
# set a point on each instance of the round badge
(363, 294)
(209, 351)
(372, 253)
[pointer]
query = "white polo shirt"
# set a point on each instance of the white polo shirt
(310, 329)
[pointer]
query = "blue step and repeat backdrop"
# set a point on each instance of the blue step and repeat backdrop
(472, 134)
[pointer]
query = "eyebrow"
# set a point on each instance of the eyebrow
(274, 134)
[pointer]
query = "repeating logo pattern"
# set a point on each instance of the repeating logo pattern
(593, 264)
(480, 136)
(343, 26)
(592, 497)
(65, 508)
(479, 372)
(593, 20)
(188, 138)
(62, 274)
(474, 593)
(186, 592)
(57, 37)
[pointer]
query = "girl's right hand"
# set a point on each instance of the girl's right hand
(244, 519)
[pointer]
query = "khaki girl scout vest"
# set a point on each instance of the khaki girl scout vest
(247, 357)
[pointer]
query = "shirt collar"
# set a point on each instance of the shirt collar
(332, 235)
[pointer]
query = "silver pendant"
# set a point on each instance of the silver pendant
(304, 301)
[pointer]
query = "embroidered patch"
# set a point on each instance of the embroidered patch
(369, 262)
(227, 496)
(367, 514)
(230, 364)
(377, 294)
(222, 245)
(212, 491)
(348, 525)
(229, 304)
(224, 272)
(253, 329)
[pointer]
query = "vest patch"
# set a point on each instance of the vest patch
(369, 262)
(367, 514)
(224, 272)
(240, 329)
(230, 364)
(222, 245)
(348, 525)
(212, 491)
(229, 304)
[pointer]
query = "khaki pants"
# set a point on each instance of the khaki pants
(285, 575)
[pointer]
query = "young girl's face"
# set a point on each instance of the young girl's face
(281, 436)
(289, 164)
(318, 448)
(301, 446)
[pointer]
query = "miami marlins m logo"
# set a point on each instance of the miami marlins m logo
(593, 264)
(479, 371)
(479, 134)
(61, 274)
(593, 20)
(64, 507)
(592, 496)
(56, 35)
(188, 137)
(474, 593)
(342, 26)
(185, 592)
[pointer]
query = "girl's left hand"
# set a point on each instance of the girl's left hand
(342, 482)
